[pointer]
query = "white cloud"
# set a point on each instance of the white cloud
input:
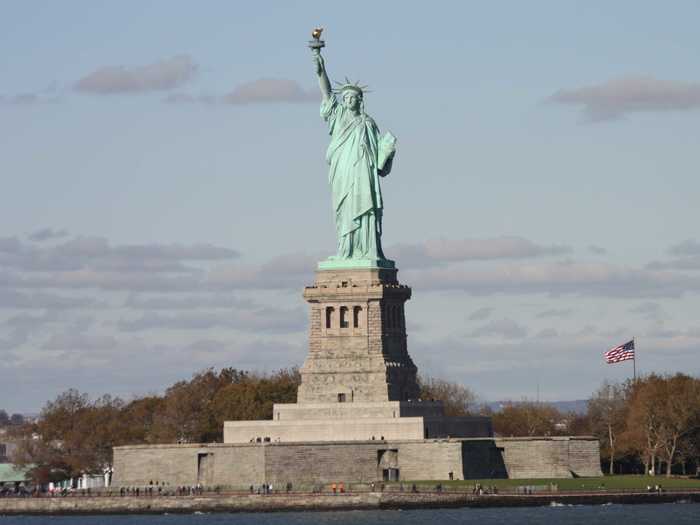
(650, 310)
(688, 247)
(480, 314)
(592, 279)
(512, 368)
(687, 257)
(47, 234)
(13, 339)
(95, 247)
(27, 99)
(506, 328)
(270, 90)
(189, 302)
(128, 367)
(547, 333)
(10, 245)
(162, 75)
(92, 262)
(440, 251)
(261, 91)
(631, 94)
(29, 322)
(45, 300)
(267, 319)
(597, 250)
(559, 313)
(691, 262)
(177, 308)
(80, 342)
(287, 271)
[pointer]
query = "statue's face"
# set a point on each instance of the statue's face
(351, 100)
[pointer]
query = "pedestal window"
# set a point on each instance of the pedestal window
(329, 316)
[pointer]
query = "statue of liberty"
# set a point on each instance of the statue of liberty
(357, 155)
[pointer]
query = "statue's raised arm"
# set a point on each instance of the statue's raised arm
(316, 45)
(323, 82)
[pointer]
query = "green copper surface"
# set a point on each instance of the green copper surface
(357, 156)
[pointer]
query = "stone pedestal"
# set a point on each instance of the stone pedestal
(357, 339)
(358, 382)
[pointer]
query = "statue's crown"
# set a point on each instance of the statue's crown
(350, 86)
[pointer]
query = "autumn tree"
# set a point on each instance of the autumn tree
(664, 412)
(458, 400)
(72, 435)
(185, 416)
(680, 415)
(140, 419)
(688, 452)
(578, 424)
(254, 395)
(195, 411)
(102, 428)
(643, 421)
(607, 411)
(527, 418)
(75, 435)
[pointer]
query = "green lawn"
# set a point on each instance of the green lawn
(608, 482)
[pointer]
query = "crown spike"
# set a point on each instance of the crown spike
(348, 85)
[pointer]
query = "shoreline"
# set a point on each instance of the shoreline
(96, 505)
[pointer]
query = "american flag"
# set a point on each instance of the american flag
(620, 353)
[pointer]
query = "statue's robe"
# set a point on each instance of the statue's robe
(354, 179)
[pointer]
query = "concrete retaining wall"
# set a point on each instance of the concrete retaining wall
(281, 502)
(176, 465)
(321, 463)
(555, 457)
(242, 465)
(429, 460)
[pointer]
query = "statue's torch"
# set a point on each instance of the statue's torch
(316, 44)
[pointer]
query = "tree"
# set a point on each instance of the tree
(458, 400)
(102, 428)
(194, 411)
(607, 410)
(16, 419)
(72, 436)
(642, 429)
(185, 416)
(254, 396)
(139, 419)
(664, 411)
(527, 418)
(688, 451)
(680, 414)
(579, 424)
(4, 419)
(75, 435)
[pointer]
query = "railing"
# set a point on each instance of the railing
(148, 491)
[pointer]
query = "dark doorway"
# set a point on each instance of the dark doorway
(390, 474)
(388, 464)
(205, 469)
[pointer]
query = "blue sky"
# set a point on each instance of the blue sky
(166, 197)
